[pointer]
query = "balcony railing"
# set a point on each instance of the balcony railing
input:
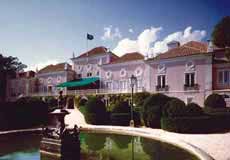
(89, 92)
(162, 88)
(191, 87)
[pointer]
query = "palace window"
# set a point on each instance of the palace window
(89, 74)
(161, 81)
(109, 85)
(79, 75)
(123, 85)
(223, 77)
(190, 79)
(139, 83)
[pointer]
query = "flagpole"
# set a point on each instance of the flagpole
(87, 54)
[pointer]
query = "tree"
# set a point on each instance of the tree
(8, 67)
(221, 33)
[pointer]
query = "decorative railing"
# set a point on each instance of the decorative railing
(191, 87)
(88, 92)
(162, 88)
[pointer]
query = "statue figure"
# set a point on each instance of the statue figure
(60, 100)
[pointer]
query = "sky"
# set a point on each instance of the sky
(41, 32)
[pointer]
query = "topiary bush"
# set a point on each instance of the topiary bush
(95, 111)
(121, 107)
(199, 124)
(52, 102)
(214, 101)
(175, 108)
(120, 114)
(152, 109)
(139, 98)
(194, 110)
(24, 113)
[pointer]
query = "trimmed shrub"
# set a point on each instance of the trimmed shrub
(24, 113)
(95, 111)
(121, 114)
(215, 101)
(194, 110)
(217, 111)
(122, 107)
(139, 98)
(152, 109)
(175, 108)
(52, 102)
(201, 124)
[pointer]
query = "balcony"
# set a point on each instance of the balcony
(191, 87)
(89, 92)
(162, 88)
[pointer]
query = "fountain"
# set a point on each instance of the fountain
(58, 141)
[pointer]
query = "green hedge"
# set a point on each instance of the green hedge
(123, 119)
(201, 124)
(95, 112)
(215, 101)
(120, 114)
(152, 109)
(24, 113)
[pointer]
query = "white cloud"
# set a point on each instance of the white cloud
(142, 44)
(130, 30)
(41, 65)
(147, 42)
(110, 33)
(181, 36)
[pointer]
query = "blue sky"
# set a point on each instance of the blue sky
(39, 32)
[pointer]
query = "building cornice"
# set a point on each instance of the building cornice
(122, 64)
(178, 59)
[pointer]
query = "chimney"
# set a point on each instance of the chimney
(173, 44)
(66, 66)
(28, 74)
(146, 57)
(210, 46)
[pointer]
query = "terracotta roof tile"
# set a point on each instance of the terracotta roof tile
(129, 57)
(54, 68)
(93, 52)
(187, 49)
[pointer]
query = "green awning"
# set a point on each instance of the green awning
(79, 83)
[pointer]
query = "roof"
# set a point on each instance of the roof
(93, 52)
(54, 68)
(129, 57)
(190, 48)
(79, 83)
(28, 74)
